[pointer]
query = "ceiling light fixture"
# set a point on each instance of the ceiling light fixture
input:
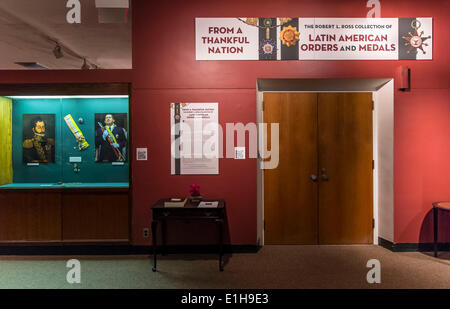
(85, 66)
(112, 11)
(32, 65)
(57, 51)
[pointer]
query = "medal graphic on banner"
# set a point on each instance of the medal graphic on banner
(268, 46)
(267, 49)
(416, 40)
(289, 36)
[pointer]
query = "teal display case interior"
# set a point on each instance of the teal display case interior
(62, 170)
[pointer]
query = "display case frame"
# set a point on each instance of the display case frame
(48, 205)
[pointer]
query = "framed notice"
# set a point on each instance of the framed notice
(194, 138)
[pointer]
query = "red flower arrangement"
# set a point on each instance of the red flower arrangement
(194, 190)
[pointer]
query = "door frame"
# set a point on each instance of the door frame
(383, 142)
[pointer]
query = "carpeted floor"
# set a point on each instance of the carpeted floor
(275, 267)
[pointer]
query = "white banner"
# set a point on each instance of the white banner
(314, 38)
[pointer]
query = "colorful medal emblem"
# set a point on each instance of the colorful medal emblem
(416, 40)
(267, 48)
(289, 36)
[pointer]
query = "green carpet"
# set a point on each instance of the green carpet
(288, 267)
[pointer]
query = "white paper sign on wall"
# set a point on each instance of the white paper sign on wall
(239, 153)
(194, 138)
(141, 154)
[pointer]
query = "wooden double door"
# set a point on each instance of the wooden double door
(322, 189)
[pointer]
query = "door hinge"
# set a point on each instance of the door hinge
(262, 105)
(264, 228)
(373, 105)
(373, 223)
(373, 164)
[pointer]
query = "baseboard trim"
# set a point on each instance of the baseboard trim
(110, 249)
(412, 247)
(34, 249)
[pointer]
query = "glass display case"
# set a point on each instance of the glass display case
(64, 141)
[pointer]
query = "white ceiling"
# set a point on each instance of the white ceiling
(27, 27)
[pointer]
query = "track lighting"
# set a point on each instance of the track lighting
(58, 52)
(85, 66)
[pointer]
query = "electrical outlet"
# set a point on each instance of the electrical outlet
(146, 232)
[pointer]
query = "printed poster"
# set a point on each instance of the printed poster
(194, 138)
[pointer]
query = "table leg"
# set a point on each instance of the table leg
(163, 234)
(154, 227)
(220, 225)
(435, 219)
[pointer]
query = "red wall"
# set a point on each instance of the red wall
(422, 163)
(165, 70)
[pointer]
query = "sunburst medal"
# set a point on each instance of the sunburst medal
(289, 36)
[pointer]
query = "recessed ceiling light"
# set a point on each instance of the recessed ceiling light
(112, 11)
(123, 4)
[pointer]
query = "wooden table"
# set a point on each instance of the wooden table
(436, 207)
(190, 211)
